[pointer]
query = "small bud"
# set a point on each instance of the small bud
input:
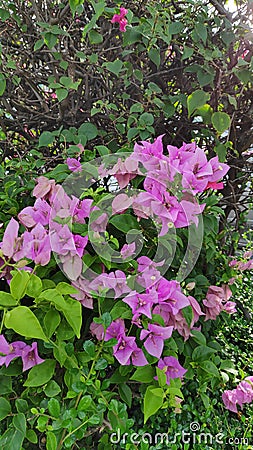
(21, 263)
(191, 286)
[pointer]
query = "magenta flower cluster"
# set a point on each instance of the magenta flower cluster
(217, 301)
(171, 185)
(121, 19)
(242, 394)
(185, 170)
(29, 354)
(245, 264)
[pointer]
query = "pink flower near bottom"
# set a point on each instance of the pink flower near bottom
(29, 354)
(242, 394)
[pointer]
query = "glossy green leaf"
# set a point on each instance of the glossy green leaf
(221, 121)
(34, 286)
(54, 407)
(2, 83)
(202, 352)
(5, 408)
(40, 374)
(154, 55)
(144, 374)
(125, 222)
(115, 66)
(24, 322)
(61, 94)
(46, 138)
(7, 300)
(51, 321)
(153, 401)
(196, 100)
(51, 443)
(19, 284)
(89, 130)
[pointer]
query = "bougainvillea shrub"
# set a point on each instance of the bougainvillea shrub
(114, 276)
(105, 293)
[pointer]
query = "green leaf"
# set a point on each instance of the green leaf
(89, 130)
(54, 407)
(221, 121)
(4, 14)
(51, 441)
(21, 405)
(205, 112)
(50, 39)
(71, 309)
(2, 83)
(66, 82)
(61, 94)
(95, 37)
(5, 408)
(24, 322)
(31, 436)
(84, 403)
(46, 138)
(120, 311)
(90, 348)
(125, 222)
(38, 44)
(205, 77)
(34, 286)
(209, 367)
(153, 401)
(19, 423)
(114, 67)
(162, 379)
(187, 53)
(125, 394)
(228, 366)
(19, 283)
(232, 101)
(5, 385)
(198, 337)
(102, 150)
(52, 389)
(202, 352)
(7, 300)
(244, 75)
(201, 31)
(146, 119)
(51, 321)
(73, 6)
(40, 374)
(196, 100)
(66, 288)
(137, 107)
(205, 400)
(154, 55)
(221, 151)
(12, 439)
(132, 133)
(175, 27)
(144, 374)
(101, 364)
(188, 314)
